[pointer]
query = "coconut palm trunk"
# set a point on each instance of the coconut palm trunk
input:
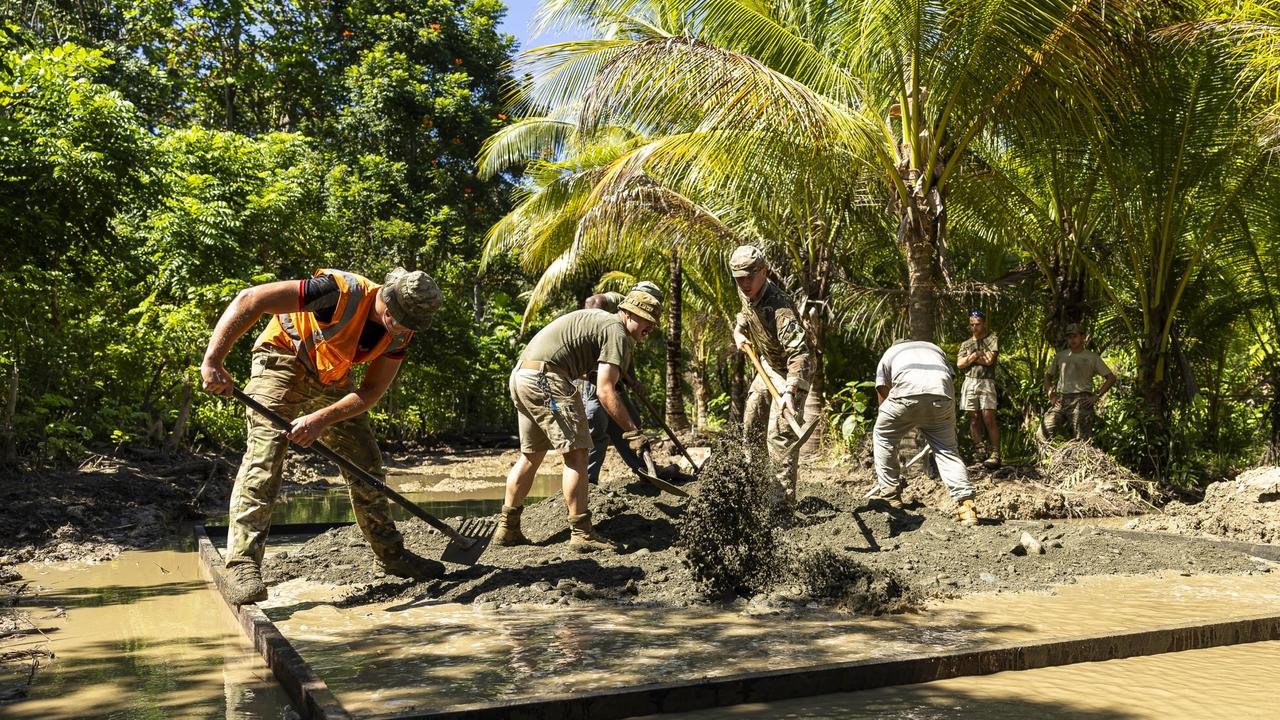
(677, 419)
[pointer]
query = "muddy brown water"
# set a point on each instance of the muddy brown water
(143, 636)
(1237, 682)
(440, 495)
(404, 655)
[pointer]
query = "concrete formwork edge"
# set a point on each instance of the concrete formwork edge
(863, 674)
(311, 697)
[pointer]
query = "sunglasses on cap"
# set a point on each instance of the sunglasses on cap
(977, 314)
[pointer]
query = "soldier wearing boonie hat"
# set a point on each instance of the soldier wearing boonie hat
(770, 323)
(322, 327)
(605, 432)
(552, 414)
(1072, 403)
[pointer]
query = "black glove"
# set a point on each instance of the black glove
(637, 440)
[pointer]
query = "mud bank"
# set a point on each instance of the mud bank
(1246, 509)
(835, 550)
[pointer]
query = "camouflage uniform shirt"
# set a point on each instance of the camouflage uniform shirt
(774, 327)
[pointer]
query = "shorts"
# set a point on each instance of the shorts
(543, 429)
(978, 394)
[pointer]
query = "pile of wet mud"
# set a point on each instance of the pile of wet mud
(834, 551)
(1077, 480)
(1246, 509)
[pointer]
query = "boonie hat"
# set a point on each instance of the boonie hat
(642, 304)
(1074, 329)
(645, 286)
(745, 260)
(412, 297)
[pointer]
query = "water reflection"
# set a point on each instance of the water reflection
(394, 656)
(143, 636)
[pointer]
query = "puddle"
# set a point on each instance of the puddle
(393, 657)
(441, 495)
(1226, 683)
(143, 636)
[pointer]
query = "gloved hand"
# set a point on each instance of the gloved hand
(637, 440)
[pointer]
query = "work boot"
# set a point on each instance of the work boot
(979, 452)
(509, 534)
(406, 564)
(993, 461)
(244, 584)
(887, 495)
(966, 514)
(584, 538)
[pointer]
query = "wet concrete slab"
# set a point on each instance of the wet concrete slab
(426, 659)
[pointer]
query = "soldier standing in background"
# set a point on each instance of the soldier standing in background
(977, 357)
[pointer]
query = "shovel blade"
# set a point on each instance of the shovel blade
(663, 485)
(803, 433)
(477, 534)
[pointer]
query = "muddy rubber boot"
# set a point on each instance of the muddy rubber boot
(410, 565)
(965, 514)
(509, 534)
(244, 584)
(584, 538)
(889, 496)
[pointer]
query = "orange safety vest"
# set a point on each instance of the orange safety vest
(329, 350)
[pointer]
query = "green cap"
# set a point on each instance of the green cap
(1074, 329)
(745, 260)
(412, 297)
(645, 286)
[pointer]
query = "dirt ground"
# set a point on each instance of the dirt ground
(835, 550)
(1246, 509)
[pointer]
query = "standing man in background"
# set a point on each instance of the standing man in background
(769, 322)
(977, 357)
(1073, 403)
(321, 328)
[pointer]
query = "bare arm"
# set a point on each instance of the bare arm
(246, 309)
(882, 393)
(607, 376)
(376, 381)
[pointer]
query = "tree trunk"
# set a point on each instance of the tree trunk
(677, 420)
(10, 451)
(919, 224)
(1152, 381)
(698, 378)
(815, 403)
(174, 443)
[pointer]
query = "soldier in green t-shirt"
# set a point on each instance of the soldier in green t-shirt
(977, 357)
(551, 413)
(1074, 398)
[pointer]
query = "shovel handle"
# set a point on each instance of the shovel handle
(773, 391)
(356, 471)
(657, 417)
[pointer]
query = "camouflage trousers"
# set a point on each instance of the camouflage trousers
(1072, 413)
(764, 425)
(281, 383)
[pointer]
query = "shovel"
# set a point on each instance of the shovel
(467, 549)
(657, 417)
(802, 433)
(651, 476)
(923, 451)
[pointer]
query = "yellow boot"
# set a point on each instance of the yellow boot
(966, 514)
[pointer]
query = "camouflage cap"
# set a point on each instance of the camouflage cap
(1074, 329)
(645, 286)
(642, 304)
(746, 259)
(412, 297)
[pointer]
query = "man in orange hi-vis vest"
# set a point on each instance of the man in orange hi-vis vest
(321, 328)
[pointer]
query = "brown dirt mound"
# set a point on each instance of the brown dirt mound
(1246, 509)
(1077, 481)
(836, 551)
